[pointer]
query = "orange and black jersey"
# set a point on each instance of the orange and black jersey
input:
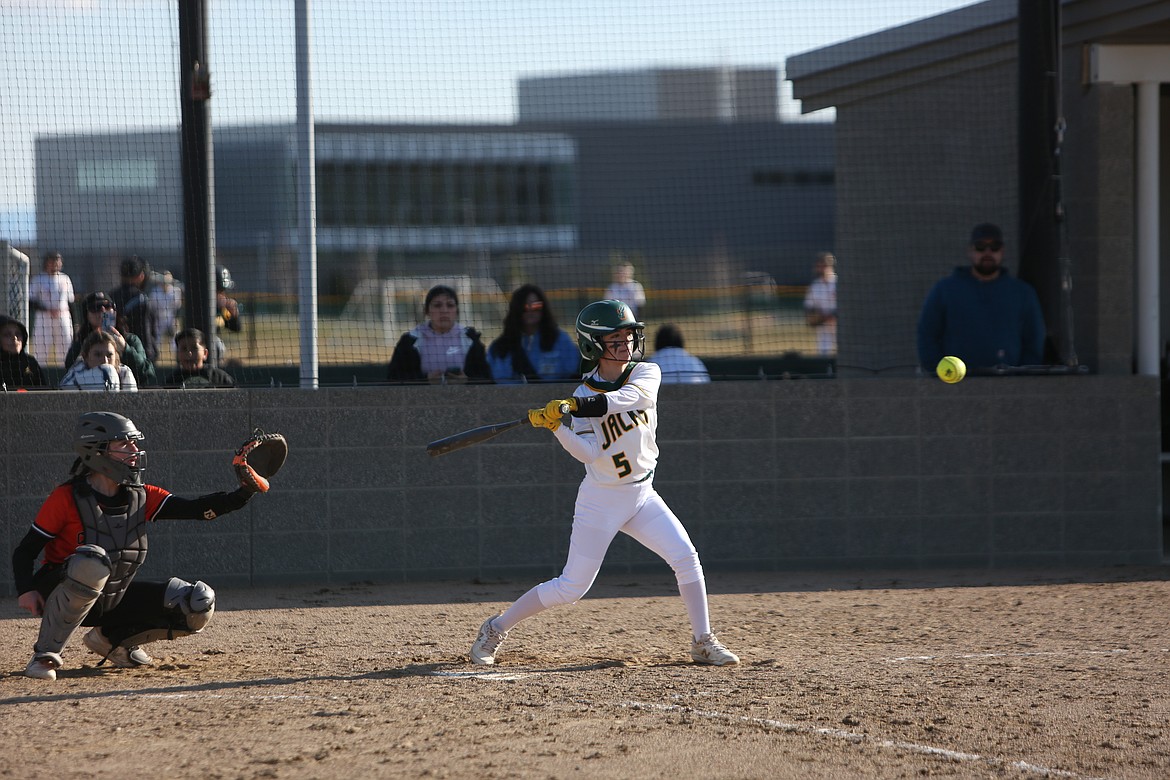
(57, 529)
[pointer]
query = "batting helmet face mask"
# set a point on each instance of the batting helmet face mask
(601, 318)
(95, 432)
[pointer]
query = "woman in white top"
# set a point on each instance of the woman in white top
(51, 294)
(626, 288)
(820, 303)
(99, 367)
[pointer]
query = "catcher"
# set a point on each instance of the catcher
(92, 529)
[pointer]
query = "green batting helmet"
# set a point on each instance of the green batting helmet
(601, 318)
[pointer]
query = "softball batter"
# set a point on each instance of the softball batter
(612, 431)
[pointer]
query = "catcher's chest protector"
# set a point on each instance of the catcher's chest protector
(122, 536)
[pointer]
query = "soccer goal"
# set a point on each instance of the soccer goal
(16, 271)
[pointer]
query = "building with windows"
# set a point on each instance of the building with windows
(695, 202)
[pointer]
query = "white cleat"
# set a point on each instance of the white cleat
(43, 666)
(707, 649)
(487, 643)
(121, 657)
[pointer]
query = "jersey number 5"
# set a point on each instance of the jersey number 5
(623, 466)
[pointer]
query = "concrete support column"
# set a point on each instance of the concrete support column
(1147, 229)
(1146, 67)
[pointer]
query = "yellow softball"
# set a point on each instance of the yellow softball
(951, 369)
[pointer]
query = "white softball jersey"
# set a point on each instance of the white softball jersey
(620, 448)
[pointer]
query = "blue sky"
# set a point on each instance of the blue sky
(105, 65)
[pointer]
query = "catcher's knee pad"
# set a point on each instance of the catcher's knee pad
(89, 565)
(687, 568)
(189, 607)
(195, 600)
(86, 572)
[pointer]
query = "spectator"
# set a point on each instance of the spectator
(193, 373)
(100, 313)
(99, 368)
(440, 350)
(678, 366)
(227, 310)
(91, 536)
(18, 369)
(136, 307)
(980, 313)
(50, 294)
(532, 347)
(625, 289)
(166, 295)
(820, 303)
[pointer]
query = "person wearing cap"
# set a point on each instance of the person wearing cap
(100, 313)
(136, 306)
(980, 313)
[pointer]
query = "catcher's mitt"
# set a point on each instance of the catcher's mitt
(259, 458)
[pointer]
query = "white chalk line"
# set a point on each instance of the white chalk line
(497, 676)
(767, 723)
(1023, 766)
(851, 736)
(1019, 654)
(246, 696)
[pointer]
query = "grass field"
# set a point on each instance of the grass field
(273, 339)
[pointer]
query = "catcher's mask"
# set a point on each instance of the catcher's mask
(602, 318)
(95, 431)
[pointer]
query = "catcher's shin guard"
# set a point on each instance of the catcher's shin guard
(86, 572)
(190, 607)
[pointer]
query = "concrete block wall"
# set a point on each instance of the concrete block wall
(766, 475)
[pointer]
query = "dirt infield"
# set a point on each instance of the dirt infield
(966, 675)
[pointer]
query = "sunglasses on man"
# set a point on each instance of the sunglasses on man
(988, 246)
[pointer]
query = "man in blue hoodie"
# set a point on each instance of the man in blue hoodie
(980, 313)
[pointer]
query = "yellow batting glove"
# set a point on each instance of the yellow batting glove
(554, 409)
(538, 420)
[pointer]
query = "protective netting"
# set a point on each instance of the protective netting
(481, 145)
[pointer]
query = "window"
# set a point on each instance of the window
(352, 186)
(116, 175)
(328, 213)
(504, 178)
